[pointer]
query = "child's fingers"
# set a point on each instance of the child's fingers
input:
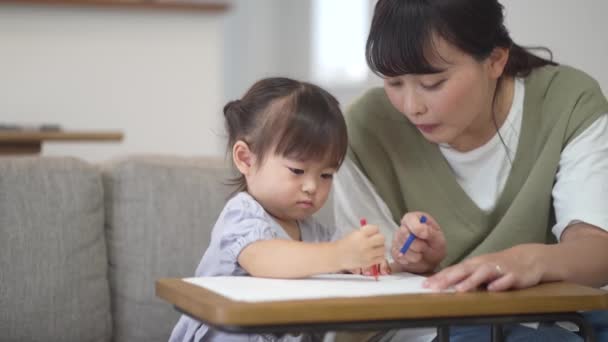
(385, 269)
(370, 230)
(377, 240)
(355, 271)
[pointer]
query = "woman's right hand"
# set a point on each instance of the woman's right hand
(427, 250)
(361, 248)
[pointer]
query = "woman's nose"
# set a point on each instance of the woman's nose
(412, 103)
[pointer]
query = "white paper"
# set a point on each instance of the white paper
(252, 289)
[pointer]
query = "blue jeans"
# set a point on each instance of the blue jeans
(599, 321)
(517, 333)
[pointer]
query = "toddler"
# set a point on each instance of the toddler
(287, 139)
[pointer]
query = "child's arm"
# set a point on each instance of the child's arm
(294, 259)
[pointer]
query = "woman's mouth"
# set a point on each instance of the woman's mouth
(427, 128)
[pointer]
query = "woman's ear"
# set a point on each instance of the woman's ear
(242, 157)
(497, 61)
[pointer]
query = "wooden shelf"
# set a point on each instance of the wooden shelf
(30, 142)
(182, 5)
(61, 136)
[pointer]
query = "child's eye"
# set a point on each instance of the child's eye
(327, 175)
(296, 171)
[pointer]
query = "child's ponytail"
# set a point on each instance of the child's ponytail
(236, 121)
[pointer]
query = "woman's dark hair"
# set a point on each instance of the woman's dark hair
(290, 118)
(402, 31)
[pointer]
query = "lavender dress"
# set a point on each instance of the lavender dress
(242, 221)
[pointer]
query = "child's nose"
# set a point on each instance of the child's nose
(309, 186)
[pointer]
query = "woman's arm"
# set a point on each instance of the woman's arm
(581, 256)
(579, 198)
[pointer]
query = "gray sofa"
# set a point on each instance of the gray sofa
(81, 245)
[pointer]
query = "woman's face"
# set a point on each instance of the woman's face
(453, 106)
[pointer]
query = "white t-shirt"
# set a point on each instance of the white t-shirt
(579, 194)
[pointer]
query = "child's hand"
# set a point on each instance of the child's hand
(361, 249)
(384, 269)
(427, 250)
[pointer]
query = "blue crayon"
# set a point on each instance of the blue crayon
(411, 238)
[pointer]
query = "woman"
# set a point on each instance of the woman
(505, 152)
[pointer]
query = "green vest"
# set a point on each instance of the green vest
(410, 173)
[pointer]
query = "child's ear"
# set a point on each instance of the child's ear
(242, 157)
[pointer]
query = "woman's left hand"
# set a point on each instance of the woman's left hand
(513, 268)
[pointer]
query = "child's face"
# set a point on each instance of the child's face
(290, 189)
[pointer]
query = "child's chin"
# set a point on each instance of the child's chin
(303, 214)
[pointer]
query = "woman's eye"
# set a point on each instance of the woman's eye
(432, 86)
(394, 84)
(327, 175)
(296, 171)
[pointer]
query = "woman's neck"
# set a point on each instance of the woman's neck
(490, 123)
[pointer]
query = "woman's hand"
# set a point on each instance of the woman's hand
(513, 268)
(427, 250)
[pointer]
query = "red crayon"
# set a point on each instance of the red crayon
(374, 267)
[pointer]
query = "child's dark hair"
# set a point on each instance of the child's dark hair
(290, 118)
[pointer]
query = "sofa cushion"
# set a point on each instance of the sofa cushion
(53, 261)
(159, 214)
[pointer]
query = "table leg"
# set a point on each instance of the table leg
(585, 329)
(497, 335)
(443, 333)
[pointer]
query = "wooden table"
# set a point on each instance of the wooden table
(546, 302)
(30, 142)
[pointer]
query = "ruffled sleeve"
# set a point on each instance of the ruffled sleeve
(242, 223)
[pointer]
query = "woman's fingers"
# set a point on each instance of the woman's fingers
(480, 275)
(469, 276)
(498, 271)
(426, 247)
(412, 221)
(447, 277)
(503, 283)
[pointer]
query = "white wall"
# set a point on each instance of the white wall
(278, 31)
(155, 75)
(265, 38)
(163, 77)
(575, 31)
